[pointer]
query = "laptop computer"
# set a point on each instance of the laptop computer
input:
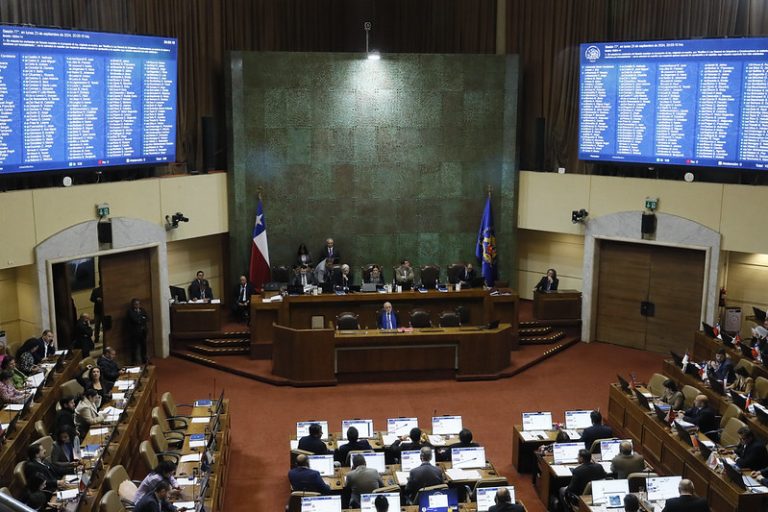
(705, 449)
(661, 488)
(740, 400)
(321, 503)
(602, 489)
(624, 384)
(368, 287)
(439, 500)
(683, 434)
(708, 330)
(662, 410)
(716, 385)
(643, 400)
(677, 358)
(367, 501)
(486, 496)
(736, 476)
(609, 448)
(759, 315)
(761, 413)
(579, 419)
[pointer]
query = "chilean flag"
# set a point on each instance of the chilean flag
(259, 251)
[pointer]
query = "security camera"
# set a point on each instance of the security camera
(172, 222)
(579, 215)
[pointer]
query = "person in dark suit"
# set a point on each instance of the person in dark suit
(468, 276)
(199, 289)
(314, 441)
(65, 416)
(342, 280)
(375, 276)
(631, 503)
(596, 431)
(353, 444)
(107, 361)
(330, 251)
(702, 415)
(388, 318)
(303, 257)
(504, 503)
(137, 331)
(686, 502)
(97, 297)
(381, 503)
(404, 275)
(83, 335)
(585, 472)
(627, 462)
(751, 451)
(241, 296)
(361, 480)
(722, 367)
(422, 476)
(157, 501)
(63, 456)
(303, 478)
(37, 464)
(304, 276)
(415, 441)
(465, 441)
(549, 282)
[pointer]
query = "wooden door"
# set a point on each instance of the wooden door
(669, 278)
(125, 276)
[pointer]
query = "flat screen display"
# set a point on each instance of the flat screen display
(486, 497)
(410, 459)
(364, 428)
(72, 99)
(566, 453)
(322, 463)
(321, 504)
(302, 428)
(662, 487)
(401, 426)
(537, 420)
(609, 448)
(697, 102)
(468, 458)
(576, 420)
(367, 501)
(446, 425)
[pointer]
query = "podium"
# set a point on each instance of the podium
(557, 305)
(195, 319)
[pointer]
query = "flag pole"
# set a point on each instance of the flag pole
(490, 189)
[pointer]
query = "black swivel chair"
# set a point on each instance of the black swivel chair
(449, 319)
(420, 318)
(347, 321)
(455, 272)
(430, 275)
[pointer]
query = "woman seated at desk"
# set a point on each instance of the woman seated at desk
(549, 282)
(672, 395)
(8, 392)
(743, 383)
(92, 380)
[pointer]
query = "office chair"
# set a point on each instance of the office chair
(110, 502)
(449, 319)
(85, 363)
(294, 502)
(167, 424)
(7, 492)
(420, 318)
(730, 434)
(747, 365)
(656, 384)
(387, 488)
(118, 480)
(347, 321)
(455, 272)
(40, 429)
(19, 480)
(429, 275)
(637, 480)
(72, 388)
(150, 457)
(47, 443)
(690, 393)
(438, 487)
(165, 441)
(281, 274)
(761, 388)
(463, 313)
(171, 407)
(595, 448)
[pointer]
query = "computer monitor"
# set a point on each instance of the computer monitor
(302, 428)
(321, 504)
(401, 426)
(662, 487)
(441, 500)
(541, 420)
(624, 384)
(601, 489)
(446, 425)
(609, 448)
(410, 459)
(367, 501)
(364, 428)
(322, 463)
(578, 419)
(468, 458)
(486, 496)
(567, 453)
(373, 460)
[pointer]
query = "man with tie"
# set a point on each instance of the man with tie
(330, 252)
(199, 288)
(242, 302)
(387, 317)
(467, 276)
(304, 276)
(404, 275)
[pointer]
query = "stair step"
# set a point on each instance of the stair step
(543, 340)
(535, 331)
(218, 351)
(227, 342)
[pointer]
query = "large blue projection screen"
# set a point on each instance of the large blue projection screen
(72, 99)
(701, 103)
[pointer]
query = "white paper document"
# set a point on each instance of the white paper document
(184, 504)
(99, 431)
(402, 477)
(561, 470)
(133, 369)
(388, 439)
(201, 419)
(197, 444)
(68, 494)
(125, 384)
(192, 457)
(294, 444)
(436, 440)
(534, 435)
(463, 474)
(13, 407)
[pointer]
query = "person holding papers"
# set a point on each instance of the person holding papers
(626, 462)
(18, 378)
(87, 412)
(387, 317)
(751, 450)
(107, 363)
(163, 472)
(314, 441)
(37, 463)
(702, 415)
(425, 475)
(157, 500)
(672, 396)
(581, 475)
(687, 502)
(8, 392)
(596, 431)
(504, 503)
(303, 478)
(361, 480)
(353, 444)
(63, 454)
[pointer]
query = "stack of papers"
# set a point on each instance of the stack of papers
(436, 440)
(133, 369)
(192, 457)
(13, 407)
(201, 419)
(402, 477)
(35, 380)
(534, 435)
(112, 413)
(118, 396)
(68, 494)
(125, 384)
(463, 474)
(561, 470)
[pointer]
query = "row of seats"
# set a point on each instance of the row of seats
(429, 275)
(417, 318)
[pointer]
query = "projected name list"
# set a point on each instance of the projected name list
(676, 102)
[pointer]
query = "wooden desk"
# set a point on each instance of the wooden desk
(705, 348)
(316, 357)
(671, 456)
(524, 452)
(195, 319)
(557, 305)
(297, 311)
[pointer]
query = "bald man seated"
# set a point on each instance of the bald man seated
(702, 415)
(686, 502)
(504, 502)
(425, 475)
(626, 461)
(304, 478)
(387, 317)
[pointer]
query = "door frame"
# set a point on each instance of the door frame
(81, 241)
(671, 231)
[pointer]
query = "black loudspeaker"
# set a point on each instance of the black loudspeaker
(104, 232)
(210, 136)
(539, 147)
(648, 224)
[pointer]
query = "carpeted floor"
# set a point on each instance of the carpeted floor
(264, 416)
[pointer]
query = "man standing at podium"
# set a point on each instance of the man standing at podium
(199, 288)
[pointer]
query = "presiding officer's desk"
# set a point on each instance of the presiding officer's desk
(671, 456)
(196, 319)
(317, 356)
(557, 305)
(298, 311)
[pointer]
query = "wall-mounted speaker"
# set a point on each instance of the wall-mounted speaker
(648, 224)
(104, 232)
